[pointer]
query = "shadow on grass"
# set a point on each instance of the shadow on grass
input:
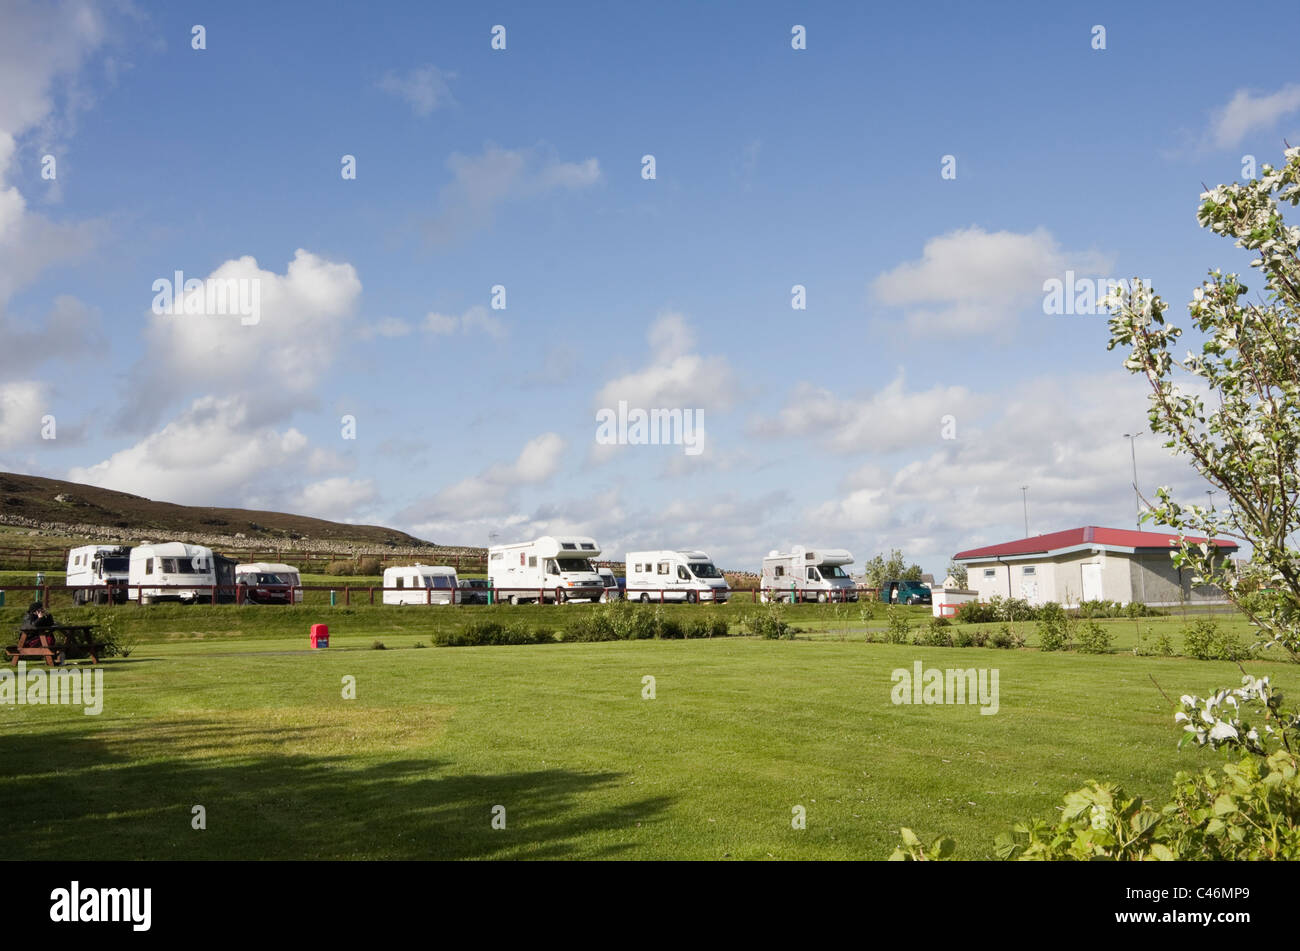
(77, 795)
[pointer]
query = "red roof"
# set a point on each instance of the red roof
(1088, 535)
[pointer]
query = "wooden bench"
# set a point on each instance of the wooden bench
(77, 639)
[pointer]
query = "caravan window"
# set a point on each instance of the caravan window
(148, 566)
(663, 567)
(780, 571)
(441, 581)
(401, 582)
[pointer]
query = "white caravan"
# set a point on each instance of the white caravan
(99, 573)
(421, 584)
(174, 567)
(679, 575)
(549, 568)
(807, 574)
(279, 582)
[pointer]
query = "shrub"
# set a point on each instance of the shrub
(481, 633)
(976, 612)
(114, 641)
(1154, 645)
(705, 626)
(1006, 638)
(1012, 609)
(339, 569)
(1094, 639)
(378, 645)
(591, 626)
(1203, 640)
(934, 634)
(419, 644)
(967, 637)
(1054, 627)
(767, 623)
(369, 566)
(897, 626)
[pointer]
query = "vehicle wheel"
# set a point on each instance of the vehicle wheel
(821, 598)
(513, 599)
(645, 599)
(911, 600)
(146, 599)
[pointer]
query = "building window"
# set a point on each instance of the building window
(990, 572)
(1030, 570)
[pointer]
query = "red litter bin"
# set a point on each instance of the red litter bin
(320, 636)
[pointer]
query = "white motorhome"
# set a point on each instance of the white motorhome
(550, 568)
(269, 583)
(613, 590)
(421, 584)
(182, 572)
(99, 573)
(674, 576)
(807, 574)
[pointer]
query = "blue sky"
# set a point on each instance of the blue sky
(522, 167)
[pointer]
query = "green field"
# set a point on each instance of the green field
(226, 708)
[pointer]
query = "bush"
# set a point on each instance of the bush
(378, 645)
(897, 626)
(1094, 639)
(1203, 640)
(340, 569)
(369, 566)
(935, 634)
(1154, 645)
(706, 626)
(114, 641)
(1013, 609)
(966, 637)
(976, 612)
(767, 623)
(1054, 627)
(487, 633)
(1006, 638)
(590, 627)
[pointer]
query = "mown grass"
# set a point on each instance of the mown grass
(225, 708)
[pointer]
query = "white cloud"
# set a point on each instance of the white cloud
(22, 404)
(1246, 113)
(70, 330)
(491, 493)
(885, 421)
(974, 281)
(424, 88)
(336, 498)
(277, 361)
(387, 327)
(482, 183)
(217, 451)
(477, 318)
(676, 377)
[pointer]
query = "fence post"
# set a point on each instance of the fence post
(45, 596)
(347, 596)
(372, 596)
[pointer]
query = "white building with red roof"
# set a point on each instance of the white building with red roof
(1089, 564)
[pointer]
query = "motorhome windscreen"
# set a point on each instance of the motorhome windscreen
(575, 564)
(115, 565)
(705, 569)
(831, 571)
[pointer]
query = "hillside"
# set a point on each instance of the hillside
(51, 504)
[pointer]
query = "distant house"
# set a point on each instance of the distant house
(1088, 564)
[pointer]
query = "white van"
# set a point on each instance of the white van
(807, 574)
(550, 568)
(613, 590)
(99, 573)
(674, 576)
(268, 583)
(421, 584)
(173, 566)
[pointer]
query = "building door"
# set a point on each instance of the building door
(1092, 583)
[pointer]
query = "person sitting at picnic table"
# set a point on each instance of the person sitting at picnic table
(33, 632)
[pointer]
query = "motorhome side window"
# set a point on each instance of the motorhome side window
(663, 567)
(532, 561)
(780, 571)
(683, 574)
(551, 567)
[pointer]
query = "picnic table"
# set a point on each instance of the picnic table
(77, 639)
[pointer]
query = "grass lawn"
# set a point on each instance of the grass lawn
(225, 708)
